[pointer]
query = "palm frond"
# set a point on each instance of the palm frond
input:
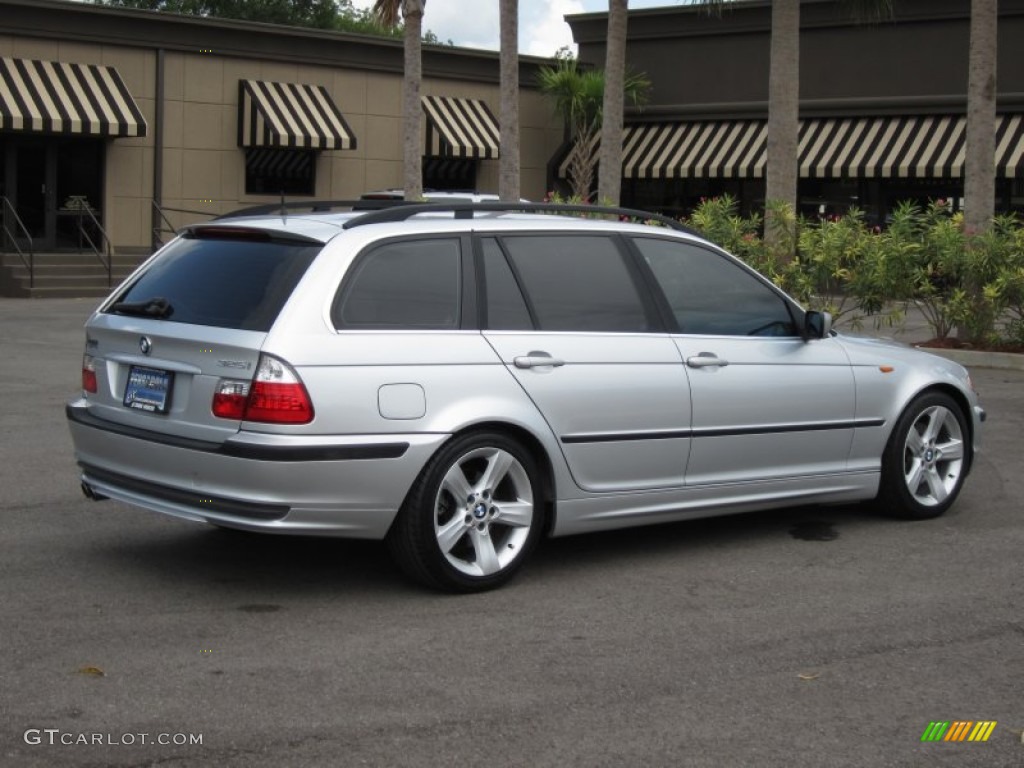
(387, 13)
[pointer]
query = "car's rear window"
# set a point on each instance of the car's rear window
(222, 282)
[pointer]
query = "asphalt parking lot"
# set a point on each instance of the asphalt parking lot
(803, 637)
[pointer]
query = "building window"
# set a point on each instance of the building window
(280, 171)
(449, 173)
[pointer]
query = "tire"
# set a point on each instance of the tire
(926, 459)
(473, 515)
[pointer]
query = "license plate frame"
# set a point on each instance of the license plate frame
(148, 389)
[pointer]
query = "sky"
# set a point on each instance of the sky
(542, 29)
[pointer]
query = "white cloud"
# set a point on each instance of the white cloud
(542, 27)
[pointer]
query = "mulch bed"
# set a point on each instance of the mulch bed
(950, 343)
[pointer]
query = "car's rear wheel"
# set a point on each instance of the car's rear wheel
(473, 515)
(926, 460)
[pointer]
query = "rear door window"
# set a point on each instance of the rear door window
(404, 284)
(506, 307)
(578, 283)
(222, 282)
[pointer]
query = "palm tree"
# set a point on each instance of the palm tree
(979, 157)
(579, 98)
(782, 161)
(508, 163)
(783, 95)
(609, 186)
(387, 12)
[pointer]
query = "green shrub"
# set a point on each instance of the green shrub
(972, 285)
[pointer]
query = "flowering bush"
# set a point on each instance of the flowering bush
(973, 285)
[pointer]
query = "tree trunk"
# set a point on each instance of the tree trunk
(412, 16)
(609, 185)
(508, 165)
(783, 112)
(979, 157)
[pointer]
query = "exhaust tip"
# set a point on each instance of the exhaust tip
(90, 493)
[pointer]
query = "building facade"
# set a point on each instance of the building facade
(137, 121)
(882, 105)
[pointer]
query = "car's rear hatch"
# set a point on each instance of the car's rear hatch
(195, 315)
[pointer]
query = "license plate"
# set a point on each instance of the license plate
(148, 389)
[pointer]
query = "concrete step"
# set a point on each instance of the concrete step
(60, 258)
(63, 274)
(61, 280)
(49, 271)
(60, 293)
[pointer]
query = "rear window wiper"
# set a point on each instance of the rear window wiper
(156, 307)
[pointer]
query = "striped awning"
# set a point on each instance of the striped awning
(60, 97)
(688, 150)
(290, 115)
(923, 146)
(459, 127)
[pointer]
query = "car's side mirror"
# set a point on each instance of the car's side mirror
(817, 325)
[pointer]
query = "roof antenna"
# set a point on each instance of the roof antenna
(284, 208)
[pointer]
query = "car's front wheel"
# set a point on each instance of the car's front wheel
(926, 460)
(473, 515)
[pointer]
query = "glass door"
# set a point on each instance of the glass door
(31, 167)
(79, 192)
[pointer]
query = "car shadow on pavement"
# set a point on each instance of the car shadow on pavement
(680, 539)
(252, 563)
(266, 564)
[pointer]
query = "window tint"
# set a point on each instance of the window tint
(711, 295)
(506, 308)
(577, 283)
(408, 284)
(226, 283)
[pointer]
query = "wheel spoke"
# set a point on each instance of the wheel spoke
(915, 444)
(456, 484)
(498, 465)
(518, 514)
(936, 417)
(935, 484)
(486, 556)
(451, 533)
(951, 451)
(914, 475)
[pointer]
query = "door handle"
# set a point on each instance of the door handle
(706, 360)
(537, 360)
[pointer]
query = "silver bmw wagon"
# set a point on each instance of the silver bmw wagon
(463, 380)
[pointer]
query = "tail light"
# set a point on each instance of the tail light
(276, 395)
(89, 374)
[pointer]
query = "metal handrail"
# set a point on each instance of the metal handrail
(159, 231)
(29, 263)
(104, 254)
(171, 229)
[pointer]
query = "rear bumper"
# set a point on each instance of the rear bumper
(348, 485)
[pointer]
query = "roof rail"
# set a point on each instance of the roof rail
(312, 206)
(464, 210)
